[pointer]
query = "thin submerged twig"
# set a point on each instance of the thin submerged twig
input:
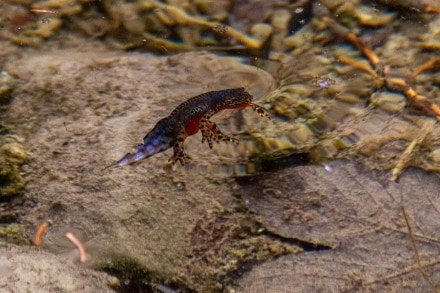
(416, 252)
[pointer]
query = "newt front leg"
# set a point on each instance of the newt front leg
(260, 110)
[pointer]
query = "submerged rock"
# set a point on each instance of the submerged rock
(30, 270)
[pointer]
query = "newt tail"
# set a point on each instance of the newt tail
(155, 141)
(144, 151)
(187, 119)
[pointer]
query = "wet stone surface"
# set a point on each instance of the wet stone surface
(347, 79)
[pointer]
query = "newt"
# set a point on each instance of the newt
(186, 120)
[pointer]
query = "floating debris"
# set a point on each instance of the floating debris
(323, 82)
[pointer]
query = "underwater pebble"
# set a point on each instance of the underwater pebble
(368, 16)
(435, 156)
(261, 31)
(301, 135)
(390, 102)
(6, 85)
(348, 98)
(180, 185)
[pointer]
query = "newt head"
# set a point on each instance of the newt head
(237, 98)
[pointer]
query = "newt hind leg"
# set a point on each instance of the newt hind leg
(179, 151)
(211, 132)
(220, 136)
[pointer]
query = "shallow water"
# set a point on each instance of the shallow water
(328, 180)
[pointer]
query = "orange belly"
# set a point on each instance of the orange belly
(193, 126)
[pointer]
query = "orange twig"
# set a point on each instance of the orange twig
(352, 38)
(426, 66)
(358, 65)
(392, 83)
(431, 9)
(79, 245)
(335, 27)
(412, 95)
(40, 232)
(372, 57)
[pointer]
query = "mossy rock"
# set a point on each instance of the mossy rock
(13, 233)
(12, 157)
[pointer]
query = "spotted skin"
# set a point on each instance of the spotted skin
(186, 120)
(211, 132)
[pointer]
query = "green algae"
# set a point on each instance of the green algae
(12, 157)
(13, 233)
